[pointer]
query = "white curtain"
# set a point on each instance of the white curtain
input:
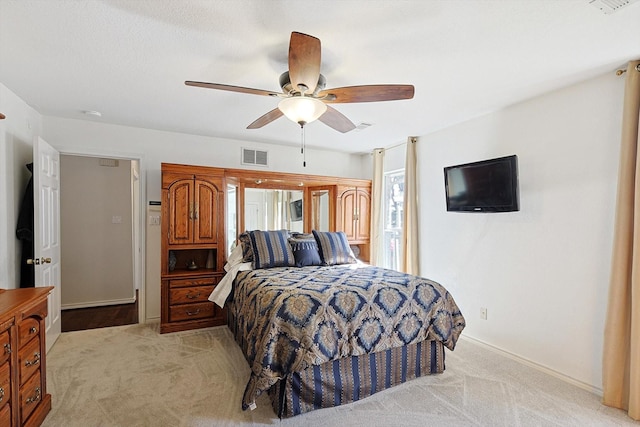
(410, 258)
(621, 358)
(377, 200)
(273, 218)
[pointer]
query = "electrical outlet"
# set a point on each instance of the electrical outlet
(483, 313)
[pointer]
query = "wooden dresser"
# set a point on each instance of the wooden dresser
(23, 387)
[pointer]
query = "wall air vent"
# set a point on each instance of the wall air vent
(110, 163)
(254, 157)
(610, 6)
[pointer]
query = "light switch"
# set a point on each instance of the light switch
(154, 220)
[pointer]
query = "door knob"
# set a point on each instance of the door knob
(37, 261)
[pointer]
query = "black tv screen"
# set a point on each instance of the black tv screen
(296, 210)
(486, 186)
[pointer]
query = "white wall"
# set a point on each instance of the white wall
(16, 150)
(542, 273)
(96, 224)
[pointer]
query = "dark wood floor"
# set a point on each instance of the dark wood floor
(99, 317)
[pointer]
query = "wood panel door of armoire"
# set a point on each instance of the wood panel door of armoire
(193, 206)
(354, 204)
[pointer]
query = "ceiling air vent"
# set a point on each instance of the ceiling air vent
(610, 6)
(254, 157)
(363, 126)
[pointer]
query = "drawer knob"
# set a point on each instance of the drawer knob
(193, 313)
(7, 348)
(35, 398)
(33, 330)
(1, 394)
(35, 361)
(192, 296)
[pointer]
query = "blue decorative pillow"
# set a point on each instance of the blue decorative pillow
(305, 250)
(334, 248)
(271, 249)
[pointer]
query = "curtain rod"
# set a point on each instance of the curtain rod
(414, 138)
(622, 71)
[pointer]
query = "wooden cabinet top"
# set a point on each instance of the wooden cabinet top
(174, 172)
(260, 178)
(16, 300)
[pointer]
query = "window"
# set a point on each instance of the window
(393, 222)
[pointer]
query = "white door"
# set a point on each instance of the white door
(46, 205)
(252, 217)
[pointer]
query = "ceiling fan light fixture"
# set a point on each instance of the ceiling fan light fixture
(302, 109)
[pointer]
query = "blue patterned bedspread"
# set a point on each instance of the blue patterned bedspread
(292, 318)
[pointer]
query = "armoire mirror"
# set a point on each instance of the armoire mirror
(271, 209)
(320, 210)
(266, 200)
(232, 216)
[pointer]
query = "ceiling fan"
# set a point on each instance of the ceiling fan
(304, 97)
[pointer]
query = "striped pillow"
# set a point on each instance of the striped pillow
(271, 249)
(334, 248)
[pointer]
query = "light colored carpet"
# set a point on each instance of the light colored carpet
(133, 376)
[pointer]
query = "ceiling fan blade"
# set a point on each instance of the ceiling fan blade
(336, 120)
(304, 62)
(367, 93)
(232, 88)
(266, 119)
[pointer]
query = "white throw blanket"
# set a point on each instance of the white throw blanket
(232, 267)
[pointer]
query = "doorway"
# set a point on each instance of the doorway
(100, 241)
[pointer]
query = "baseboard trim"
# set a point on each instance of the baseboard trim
(98, 303)
(537, 366)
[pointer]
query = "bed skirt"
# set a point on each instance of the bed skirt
(350, 379)
(353, 378)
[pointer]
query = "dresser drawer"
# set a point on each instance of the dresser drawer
(180, 283)
(5, 415)
(201, 310)
(29, 328)
(5, 384)
(190, 294)
(29, 360)
(30, 396)
(5, 346)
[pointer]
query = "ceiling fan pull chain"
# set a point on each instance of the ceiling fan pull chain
(304, 155)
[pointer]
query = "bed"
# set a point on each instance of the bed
(320, 329)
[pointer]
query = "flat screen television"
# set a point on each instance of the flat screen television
(485, 186)
(295, 208)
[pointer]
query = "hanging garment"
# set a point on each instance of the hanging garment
(24, 233)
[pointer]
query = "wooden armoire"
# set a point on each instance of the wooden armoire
(192, 246)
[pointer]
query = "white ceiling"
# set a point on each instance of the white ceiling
(129, 59)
